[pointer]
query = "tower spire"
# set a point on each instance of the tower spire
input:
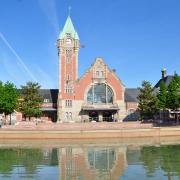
(69, 28)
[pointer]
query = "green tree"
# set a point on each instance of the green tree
(162, 96)
(31, 100)
(147, 101)
(173, 96)
(1, 95)
(9, 98)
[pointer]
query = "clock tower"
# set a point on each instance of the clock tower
(68, 48)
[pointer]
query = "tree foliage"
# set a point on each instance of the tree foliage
(173, 96)
(147, 101)
(31, 100)
(8, 97)
(162, 96)
(1, 96)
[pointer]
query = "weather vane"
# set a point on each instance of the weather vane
(69, 8)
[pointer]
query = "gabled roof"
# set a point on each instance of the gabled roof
(100, 59)
(131, 95)
(166, 80)
(68, 28)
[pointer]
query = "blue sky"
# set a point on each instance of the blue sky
(136, 37)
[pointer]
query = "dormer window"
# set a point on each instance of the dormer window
(68, 35)
(46, 100)
(99, 74)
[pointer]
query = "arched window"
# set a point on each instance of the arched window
(100, 94)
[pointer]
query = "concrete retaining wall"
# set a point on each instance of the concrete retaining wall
(124, 133)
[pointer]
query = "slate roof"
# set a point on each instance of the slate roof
(51, 94)
(131, 95)
(166, 79)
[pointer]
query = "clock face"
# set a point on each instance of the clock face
(68, 41)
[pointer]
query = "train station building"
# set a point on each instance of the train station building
(98, 95)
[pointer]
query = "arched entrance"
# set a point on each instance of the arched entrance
(100, 103)
(101, 115)
(107, 116)
(93, 116)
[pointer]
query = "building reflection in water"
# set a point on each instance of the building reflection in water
(92, 163)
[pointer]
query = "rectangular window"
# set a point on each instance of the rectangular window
(97, 73)
(68, 89)
(68, 77)
(68, 103)
(68, 60)
(102, 73)
(68, 152)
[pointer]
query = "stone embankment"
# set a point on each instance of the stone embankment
(29, 130)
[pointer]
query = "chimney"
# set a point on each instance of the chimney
(163, 71)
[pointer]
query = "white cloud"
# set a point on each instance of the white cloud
(18, 58)
(49, 9)
(14, 69)
(44, 79)
(10, 70)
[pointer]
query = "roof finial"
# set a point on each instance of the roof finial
(163, 71)
(69, 9)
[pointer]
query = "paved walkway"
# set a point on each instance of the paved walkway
(77, 126)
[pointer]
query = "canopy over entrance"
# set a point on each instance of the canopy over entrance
(100, 107)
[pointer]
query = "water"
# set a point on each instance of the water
(17, 163)
(88, 162)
